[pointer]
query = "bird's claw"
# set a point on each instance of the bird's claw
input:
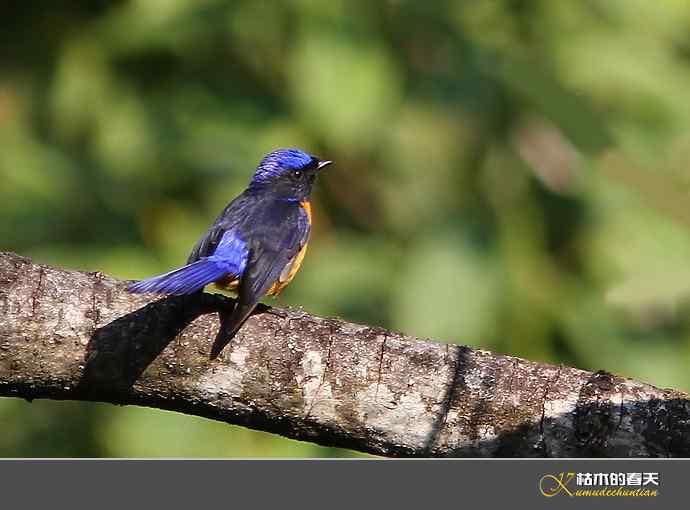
(281, 314)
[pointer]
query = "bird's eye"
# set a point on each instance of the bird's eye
(297, 174)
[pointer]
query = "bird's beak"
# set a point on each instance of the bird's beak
(323, 164)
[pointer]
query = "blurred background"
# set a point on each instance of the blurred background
(512, 175)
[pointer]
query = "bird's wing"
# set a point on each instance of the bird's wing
(270, 254)
(273, 245)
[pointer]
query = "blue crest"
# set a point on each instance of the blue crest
(279, 161)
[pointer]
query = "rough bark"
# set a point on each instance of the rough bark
(75, 335)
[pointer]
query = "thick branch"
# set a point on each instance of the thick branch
(73, 335)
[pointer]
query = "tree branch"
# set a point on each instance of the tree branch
(74, 335)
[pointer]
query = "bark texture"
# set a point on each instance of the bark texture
(74, 335)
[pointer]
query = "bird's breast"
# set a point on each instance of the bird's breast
(306, 206)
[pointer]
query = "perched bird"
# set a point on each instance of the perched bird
(256, 245)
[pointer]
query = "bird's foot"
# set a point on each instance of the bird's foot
(277, 313)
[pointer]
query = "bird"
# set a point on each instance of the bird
(256, 245)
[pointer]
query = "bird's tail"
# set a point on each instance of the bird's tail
(184, 280)
(230, 324)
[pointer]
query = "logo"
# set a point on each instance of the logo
(552, 485)
(570, 484)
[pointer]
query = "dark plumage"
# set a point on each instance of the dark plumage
(257, 243)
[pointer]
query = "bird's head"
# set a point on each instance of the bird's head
(289, 173)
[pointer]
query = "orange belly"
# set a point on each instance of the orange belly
(288, 273)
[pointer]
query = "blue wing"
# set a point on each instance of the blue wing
(228, 259)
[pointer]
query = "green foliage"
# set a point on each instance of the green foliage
(510, 175)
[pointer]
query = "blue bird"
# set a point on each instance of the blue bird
(257, 244)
